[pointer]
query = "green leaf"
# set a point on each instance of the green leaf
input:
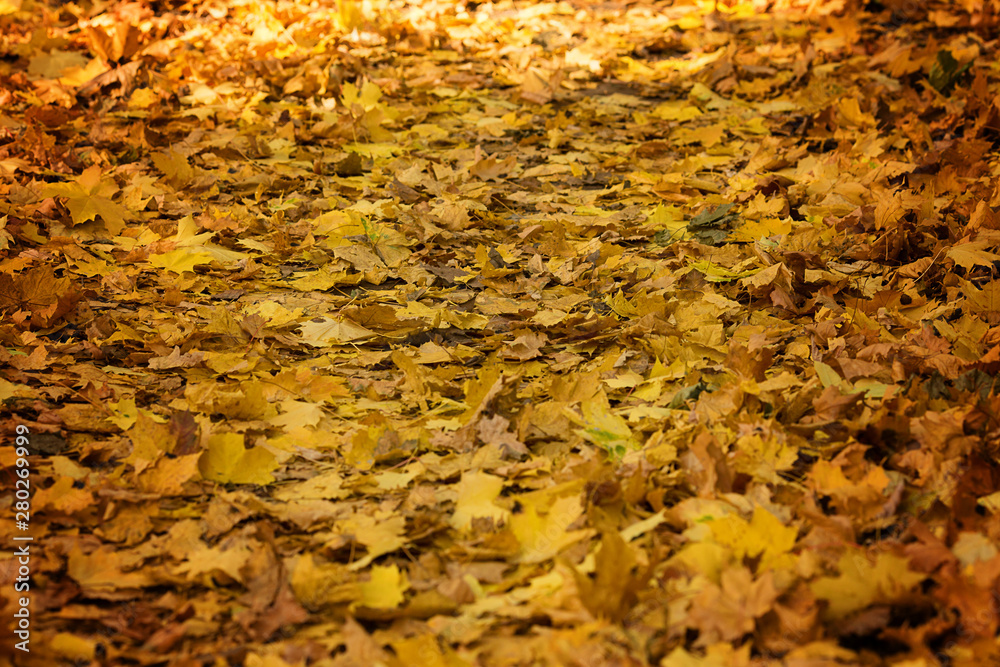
(712, 227)
(946, 72)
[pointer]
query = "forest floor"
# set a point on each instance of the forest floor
(429, 334)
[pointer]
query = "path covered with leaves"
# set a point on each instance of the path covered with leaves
(501, 334)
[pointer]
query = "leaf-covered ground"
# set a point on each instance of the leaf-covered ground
(506, 334)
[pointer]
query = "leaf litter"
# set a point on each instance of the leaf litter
(503, 333)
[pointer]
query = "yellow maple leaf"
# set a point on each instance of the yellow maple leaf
(326, 485)
(617, 579)
(123, 413)
(861, 583)
(327, 331)
(298, 413)
(191, 249)
(380, 534)
(476, 492)
(367, 97)
(386, 589)
(175, 168)
(274, 313)
(972, 254)
(167, 476)
(603, 427)
(764, 457)
(102, 571)
(73, 648)
(63, 497)
(226, 460)
(620, 304)
(764, 537)
(88, 197)
(543, 536)
(422, 650)
(716, 655)
(227, 560)
(706, 558)
(55, 63)
(317, 584)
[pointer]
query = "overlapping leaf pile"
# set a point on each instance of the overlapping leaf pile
(503, 334)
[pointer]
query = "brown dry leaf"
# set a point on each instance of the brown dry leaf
(102, 573)
(729, 611)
